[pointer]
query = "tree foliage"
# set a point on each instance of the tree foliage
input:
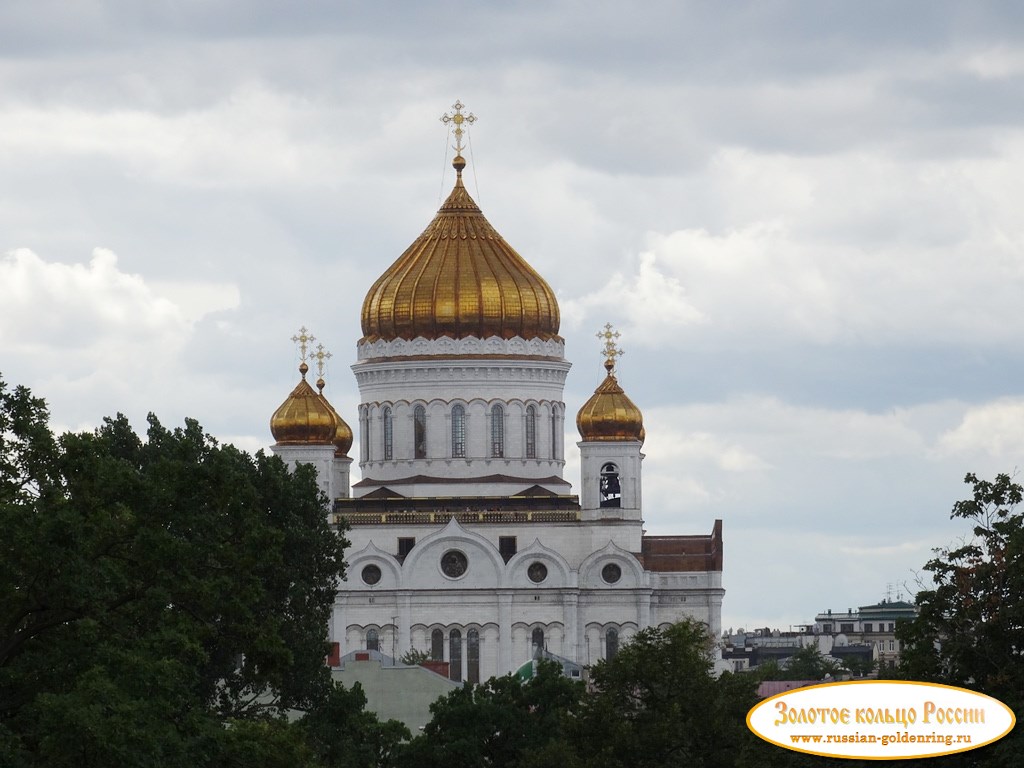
(502, 722)
(414, 657)
(658, 703)
(153, 592)
(807, 663)
(343, 734)
(969, 631)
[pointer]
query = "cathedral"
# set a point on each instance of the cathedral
(467, 542)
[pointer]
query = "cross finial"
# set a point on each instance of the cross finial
(321, 356)
(458, 120)
(611, 351)
(304, 338)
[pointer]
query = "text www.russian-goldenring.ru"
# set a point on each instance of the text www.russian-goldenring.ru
(885, 739)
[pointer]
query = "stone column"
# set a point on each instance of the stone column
(570, 618)
(404, 623)
(504, 632)
(338, 622)
(643, 602)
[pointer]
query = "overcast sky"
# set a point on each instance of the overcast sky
(804, 217)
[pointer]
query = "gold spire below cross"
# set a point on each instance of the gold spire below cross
(457, 118)
(304, 338)
(321, 356)
(611, 351)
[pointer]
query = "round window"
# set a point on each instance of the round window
(453, 563)
(371, 574)
(611, 573)
(537, 572)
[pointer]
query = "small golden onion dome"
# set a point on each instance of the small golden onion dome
(460, 279)
(342, 438)
(610, 416)
(304, 417)
(343, 435)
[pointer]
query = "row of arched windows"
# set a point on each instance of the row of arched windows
(455, 653)
(419, 422)
(611, 642)
(458, 436)
(437, 642)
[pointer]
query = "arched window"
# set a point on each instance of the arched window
(531, 432)
(611, 490)
(455, 656)
(611, 643)
(473, 656)
(458, 432)
(389, 435)
(554, 433)
(419, 432)
(537, 641)
(372, 640)
(437, 645)
(497, 431)
(364, 432)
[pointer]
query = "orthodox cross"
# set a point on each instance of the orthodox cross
(304, 338)
(611, 351)
(458, 119)
(321, 356)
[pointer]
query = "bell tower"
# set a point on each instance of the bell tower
(612, 432)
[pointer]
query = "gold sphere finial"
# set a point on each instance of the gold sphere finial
(611, 351)
(303, 369)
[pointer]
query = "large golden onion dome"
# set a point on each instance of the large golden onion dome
(460, 279)
(305, 417)
(609, 415)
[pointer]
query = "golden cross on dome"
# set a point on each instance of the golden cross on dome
(321, 356)
(611, 350)
(304, 338)
(458, 119)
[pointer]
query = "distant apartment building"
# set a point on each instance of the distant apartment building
(873, 625)
(868, 633)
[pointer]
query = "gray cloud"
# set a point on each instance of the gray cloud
(803, 216)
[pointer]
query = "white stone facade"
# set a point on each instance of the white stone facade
(512, 418)
(592, 583)
(466, 541)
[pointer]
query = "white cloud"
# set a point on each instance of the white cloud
(78, 305)
(995, 62)
(753, 210)
(650, 300)
(253, 136)
(755, 430)
(97, 339)
(995, 429)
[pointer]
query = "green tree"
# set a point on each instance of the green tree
(343, 734)
(502, 722)
(155, 595)
(413, 657)
(658, 703)
(969, 631)
(808, 663)
(859, 666)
